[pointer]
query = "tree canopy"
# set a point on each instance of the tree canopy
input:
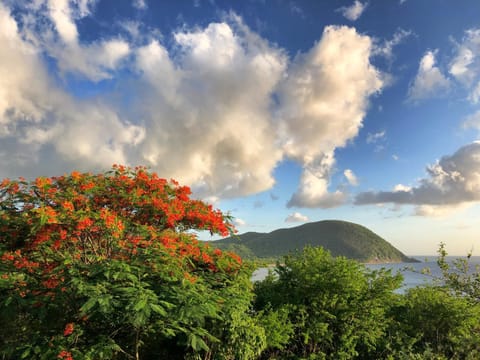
(103, 266)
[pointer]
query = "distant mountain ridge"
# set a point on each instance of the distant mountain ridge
(341, 238)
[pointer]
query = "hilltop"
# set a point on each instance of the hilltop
(341, 238)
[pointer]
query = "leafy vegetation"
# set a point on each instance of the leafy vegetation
(105, 267)
(341, 238)
(338, 309)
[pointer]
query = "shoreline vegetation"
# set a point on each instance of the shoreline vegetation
(104, 267)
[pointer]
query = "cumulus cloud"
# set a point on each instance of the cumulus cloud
(324, 100)
(204, 111)
(351, 177)
(354, 11)
(429, 82)
(313, 190)
(60, 38)
(207, 110)
(452, 181)
(296, 217)
(39, 122)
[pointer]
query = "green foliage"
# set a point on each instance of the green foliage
(434, 320)
(459, 275)
(341, 238)
(336, 306)
(103, 267)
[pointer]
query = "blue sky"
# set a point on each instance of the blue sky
(279, 112)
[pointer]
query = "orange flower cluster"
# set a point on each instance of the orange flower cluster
(121, 214)
(65, 355)
(84, 223)
(20, 261)
(68, 329)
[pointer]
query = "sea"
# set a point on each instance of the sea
(424, 272)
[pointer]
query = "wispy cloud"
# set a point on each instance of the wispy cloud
(140, 4)
(351, 177)
(386, 47)
(472, 121)
(354, 11)
(465, 66)
(375, 137)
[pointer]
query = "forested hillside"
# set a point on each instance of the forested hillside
(341, 238)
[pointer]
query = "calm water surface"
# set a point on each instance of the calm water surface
(412, 272)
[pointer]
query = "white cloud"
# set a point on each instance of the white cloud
(239, 222)
(296, 217)
(386, 48)
(354, 11)
(438, 210)
(375, 137)
(212, 200)
(472, 121)
(465, 67)
(324, 100)
(61, 15)
(474, 96)
(211, 104)
(296, 9)
(139, 4)
(313, 191)
(401, 187)
(351, 178)
(43, 129)
(59, 37)
(395, 157)
(429, 82)
(452, 181)
(202, 111)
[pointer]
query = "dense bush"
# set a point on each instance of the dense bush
(336, 307)
(433, 320)
(340, 310)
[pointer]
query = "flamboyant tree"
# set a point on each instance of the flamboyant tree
(103, 266)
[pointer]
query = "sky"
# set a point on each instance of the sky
(278, 112)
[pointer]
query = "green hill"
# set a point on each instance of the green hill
(339, 237)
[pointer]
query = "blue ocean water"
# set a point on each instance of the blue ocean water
(425, 272)
(414, 274)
